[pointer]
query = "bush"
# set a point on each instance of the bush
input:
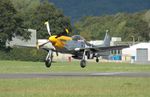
(22, 54)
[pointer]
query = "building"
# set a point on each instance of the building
(18, 40)
(138, 53)
(96, 42)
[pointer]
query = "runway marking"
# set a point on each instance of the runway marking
(75, 74)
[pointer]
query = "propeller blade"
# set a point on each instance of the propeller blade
(43, 44)
(67, 31)
(48, 28)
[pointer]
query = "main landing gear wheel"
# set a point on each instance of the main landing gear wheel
(83, 63)
(97, 60)
(48, 60)
(48, 63)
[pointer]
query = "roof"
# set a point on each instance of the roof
(141, 45)
(132, 49)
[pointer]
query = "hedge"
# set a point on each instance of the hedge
(22, 54)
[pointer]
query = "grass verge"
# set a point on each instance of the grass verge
(30, 67)
(76, 87)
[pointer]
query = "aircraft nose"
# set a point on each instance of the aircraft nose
(52, 39)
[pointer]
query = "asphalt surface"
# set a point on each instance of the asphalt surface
(75, 74)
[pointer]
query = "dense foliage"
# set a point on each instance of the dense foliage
(10, 23)
(18, 15)
(122, 25)
(22, 54)
(36, 13)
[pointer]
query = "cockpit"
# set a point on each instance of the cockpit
(77, 37)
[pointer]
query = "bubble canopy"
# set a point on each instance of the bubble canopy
(77, 37)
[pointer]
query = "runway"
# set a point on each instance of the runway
(75, 74)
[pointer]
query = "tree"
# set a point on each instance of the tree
(36, 12)
(25, 9)
(10, 23)
(121, 25)
(48, 12)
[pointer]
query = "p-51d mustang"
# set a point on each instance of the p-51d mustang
(75, 45)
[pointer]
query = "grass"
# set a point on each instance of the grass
(29, 67)
(74, 87)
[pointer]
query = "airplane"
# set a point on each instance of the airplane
(75, 45)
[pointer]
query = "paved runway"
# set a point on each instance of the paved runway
(75, 74)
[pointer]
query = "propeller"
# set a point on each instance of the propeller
(49, 32)
(66, 31)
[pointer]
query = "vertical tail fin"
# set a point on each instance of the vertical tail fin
(107, 40)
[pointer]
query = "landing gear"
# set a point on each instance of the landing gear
(97, 60)
(48, 63)
(83, 61)
(48, 60)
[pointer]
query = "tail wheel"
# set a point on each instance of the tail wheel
(83, 63)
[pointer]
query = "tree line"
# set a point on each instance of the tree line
(124, 25)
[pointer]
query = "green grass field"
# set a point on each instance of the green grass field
(29, 67)
(76, 87)
(70, 86)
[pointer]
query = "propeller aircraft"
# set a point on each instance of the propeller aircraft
(75, 45)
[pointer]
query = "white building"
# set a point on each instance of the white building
(96, 42)
(115, 39)
(139, 52)
(18, 40)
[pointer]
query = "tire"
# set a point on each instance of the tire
(48, 63)
(97, 60)
(83, 63)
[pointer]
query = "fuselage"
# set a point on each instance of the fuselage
(59, 42)
(66, 44)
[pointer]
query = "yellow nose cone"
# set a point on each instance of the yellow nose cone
(52, 39)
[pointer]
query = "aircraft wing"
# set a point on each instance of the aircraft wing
(101, 49)
(109, 48)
